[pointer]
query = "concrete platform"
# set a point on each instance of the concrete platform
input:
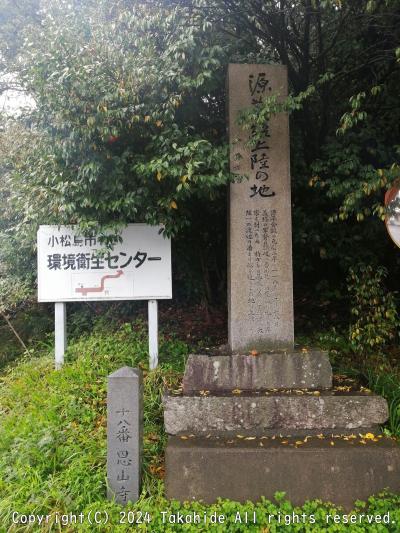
(206, 469)
(310, 370)
(282, 413)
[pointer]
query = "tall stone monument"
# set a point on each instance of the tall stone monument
(260, 281)
(265, 418)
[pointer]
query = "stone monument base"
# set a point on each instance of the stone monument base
(340, 470)
(272, 370)
(282, 412)
(249, 426)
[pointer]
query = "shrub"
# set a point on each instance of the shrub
(373, 308)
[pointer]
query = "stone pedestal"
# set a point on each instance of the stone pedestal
(268, 412)
(331, 469)
(310, 370)
(244, 444)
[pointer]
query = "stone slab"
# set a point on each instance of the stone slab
(260, 279)
(293, 370)
(124, 434)
(202, 415)
(207, 469)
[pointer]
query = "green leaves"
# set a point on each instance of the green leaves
(116, 103)
(374, 309)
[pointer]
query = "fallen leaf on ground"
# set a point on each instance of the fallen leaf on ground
(152, 437)
(158, 470)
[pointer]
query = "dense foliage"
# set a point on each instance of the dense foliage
(374, 313)
(129, 125)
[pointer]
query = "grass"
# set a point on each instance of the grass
(388, 386)
(53, 444)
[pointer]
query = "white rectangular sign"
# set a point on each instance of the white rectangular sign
(70, 267)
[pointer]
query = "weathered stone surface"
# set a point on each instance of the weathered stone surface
(284, 413)
(206, 469)
(260, 285)
(310, 370)
(124, 434)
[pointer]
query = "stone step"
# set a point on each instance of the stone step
(284, 413)
(207, 469)
(310, 370)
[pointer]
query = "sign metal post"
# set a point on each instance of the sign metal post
(153, 333)
(60, 331)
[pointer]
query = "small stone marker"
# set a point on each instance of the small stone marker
(260, 293)
(124, 434)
